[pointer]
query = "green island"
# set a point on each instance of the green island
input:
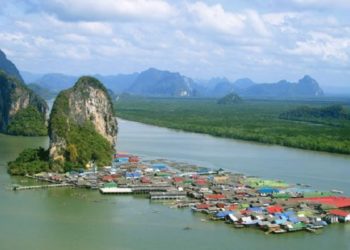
(29, 162)
(75, 138)
(253, 120)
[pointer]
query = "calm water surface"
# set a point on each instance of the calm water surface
(82, 219)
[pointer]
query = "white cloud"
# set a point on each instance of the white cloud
(323, 3)
(198, 38)
(280, 18)
(324, 47)
(257, 23)
(102, 10)
(216, 18)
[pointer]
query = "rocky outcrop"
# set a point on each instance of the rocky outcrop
(82, 125)
(15, 96)
(230, 99)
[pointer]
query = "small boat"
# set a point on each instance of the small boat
(312, 226)
(310, 230)
(336, 191)
(279, 231)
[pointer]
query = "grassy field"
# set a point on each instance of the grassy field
(253, 120)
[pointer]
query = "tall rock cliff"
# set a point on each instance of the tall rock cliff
(18, 103)
(82, 125)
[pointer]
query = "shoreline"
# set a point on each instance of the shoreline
(153, 123)
(273, 206)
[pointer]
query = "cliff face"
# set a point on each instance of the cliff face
(15, 97)
(82, 126)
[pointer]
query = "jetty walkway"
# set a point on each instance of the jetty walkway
(18, 188)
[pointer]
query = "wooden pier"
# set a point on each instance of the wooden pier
(168, 195)
(148, 190)
(18, 188)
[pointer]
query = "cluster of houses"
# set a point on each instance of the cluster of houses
(244, 201)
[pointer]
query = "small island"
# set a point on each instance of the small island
(82, 128)
(230, 99)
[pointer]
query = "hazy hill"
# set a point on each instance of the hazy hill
(56, 81)
(305, 87)
(154, 82)
(243, 83)
(222, 88)
(45, 93)
(118, 83)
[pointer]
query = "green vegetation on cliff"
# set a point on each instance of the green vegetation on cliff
(29, 162)
(27, 122)
(252, 120)
(22, 112)
(85, 144)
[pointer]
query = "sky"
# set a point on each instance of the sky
(265, 40)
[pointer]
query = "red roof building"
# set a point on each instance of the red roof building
(178, 179)
(202, 206)
(215, 197)
(107, 178)
(133, 159)
(201, 182)
(339, 213)
(145, 179)
(232, 207)
(220, 205)
(339, 202)
(274, 209)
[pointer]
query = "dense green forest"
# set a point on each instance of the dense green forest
(253, 120)
(27, 122)
(30, 161)
(334, 115)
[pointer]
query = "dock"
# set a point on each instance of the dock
(168, 195)
(148, 190)
(19, 188)
(133, 190)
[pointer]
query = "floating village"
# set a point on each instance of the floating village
(272, 206)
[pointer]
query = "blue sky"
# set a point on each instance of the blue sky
(266, 40)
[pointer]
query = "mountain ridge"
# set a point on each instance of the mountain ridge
(164, 83)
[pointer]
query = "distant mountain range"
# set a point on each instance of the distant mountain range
(161, 83)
